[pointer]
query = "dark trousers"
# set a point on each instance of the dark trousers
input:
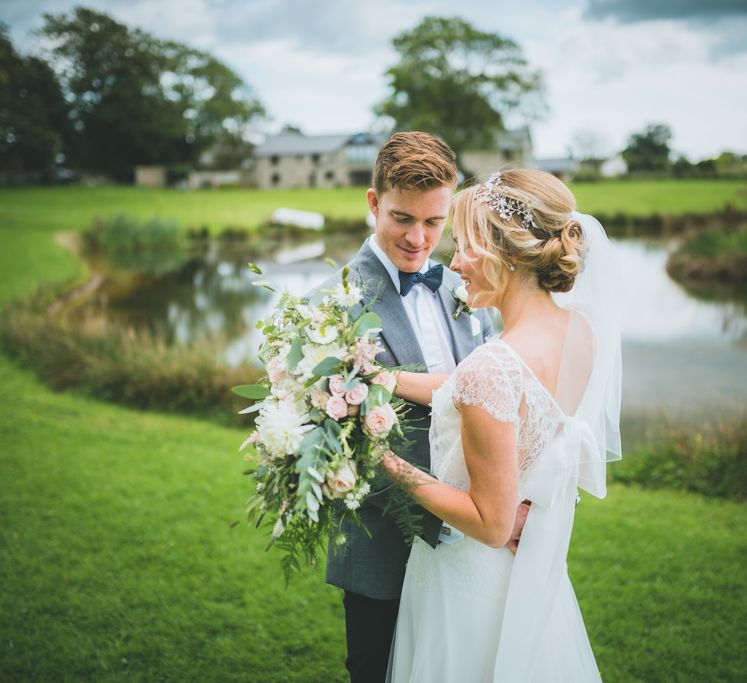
(369, 629)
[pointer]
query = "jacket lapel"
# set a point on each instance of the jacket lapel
(397, 331)
(461, 328)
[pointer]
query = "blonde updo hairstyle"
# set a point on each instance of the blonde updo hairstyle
(551, 249)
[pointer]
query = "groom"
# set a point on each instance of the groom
(414, 178)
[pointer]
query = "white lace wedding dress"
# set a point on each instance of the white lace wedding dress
(470, 613)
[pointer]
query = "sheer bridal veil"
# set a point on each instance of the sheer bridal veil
(542, 632)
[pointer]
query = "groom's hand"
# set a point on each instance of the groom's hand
(521, 517)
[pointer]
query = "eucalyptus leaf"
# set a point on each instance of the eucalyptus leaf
(251, 391)
(311, 502)
(368, 321)
(295, 354)
(333, 427)
(329, 366)
(352, 383)
(315, 473)
(379, 395)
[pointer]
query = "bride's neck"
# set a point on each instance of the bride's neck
(522, 300)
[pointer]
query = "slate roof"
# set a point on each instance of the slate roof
(558, 165)
(295, 143)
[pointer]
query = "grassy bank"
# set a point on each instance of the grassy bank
(118, 562)
(712, 256)
(73, 208)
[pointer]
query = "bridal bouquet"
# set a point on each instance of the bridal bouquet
(326, 415)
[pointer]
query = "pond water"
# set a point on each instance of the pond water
(682, 353)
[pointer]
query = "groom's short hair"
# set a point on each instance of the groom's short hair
(414, 161)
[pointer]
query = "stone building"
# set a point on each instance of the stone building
(150, 176)
(291, 160)
(511, 149)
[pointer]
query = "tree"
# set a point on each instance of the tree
(33, 114)
(135, 99)
(648, 151)
(458, 82)
(682, 168)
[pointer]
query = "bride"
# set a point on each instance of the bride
(532, 414)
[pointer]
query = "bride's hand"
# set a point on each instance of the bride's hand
(521, 517)
(418, 387)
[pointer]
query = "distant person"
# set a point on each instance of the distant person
(532, 414)
(414, 179)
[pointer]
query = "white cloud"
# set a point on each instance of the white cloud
(320, 64)
(617, 78)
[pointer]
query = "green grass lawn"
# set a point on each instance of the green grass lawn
(72, 208)
(118, 562)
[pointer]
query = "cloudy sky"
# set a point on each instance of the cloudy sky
(610, 66)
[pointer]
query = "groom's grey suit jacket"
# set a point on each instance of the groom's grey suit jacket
(375, 566)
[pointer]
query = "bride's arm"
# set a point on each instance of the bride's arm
(418, 387)
(487, 511)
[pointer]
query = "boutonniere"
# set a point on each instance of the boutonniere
(460, 296)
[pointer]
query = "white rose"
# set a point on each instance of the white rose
(461, 293)
(313, 354)
(325, 334)
(343, 479)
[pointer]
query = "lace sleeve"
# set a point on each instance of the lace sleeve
(490, 377)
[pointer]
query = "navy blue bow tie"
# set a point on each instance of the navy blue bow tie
(431, 278)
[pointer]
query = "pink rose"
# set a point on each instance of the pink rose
(337, 385)
(319, 398)
(356, 396)
(336, 407)
(276, 370)
(387, 379)
(343, 479)
(380, 420)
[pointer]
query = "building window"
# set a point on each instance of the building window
(361, 155)
(329, 175)
(315, 158)
(275, 160)
(508, 154)
(276, 179)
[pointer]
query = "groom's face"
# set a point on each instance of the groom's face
(409, 223)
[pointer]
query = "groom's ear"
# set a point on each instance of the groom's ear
(373, 201)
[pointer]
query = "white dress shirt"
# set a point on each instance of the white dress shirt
(426, 315)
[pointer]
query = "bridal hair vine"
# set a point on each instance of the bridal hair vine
(494, 193)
